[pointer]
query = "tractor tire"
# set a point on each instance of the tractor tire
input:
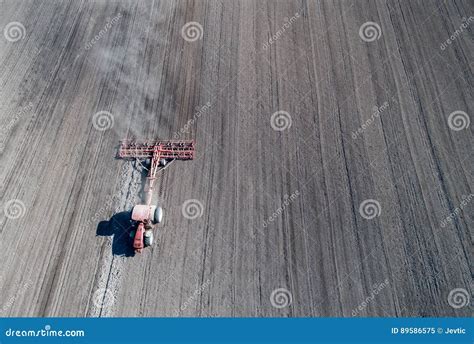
(148, 238)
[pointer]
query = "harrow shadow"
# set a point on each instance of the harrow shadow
(119, 226)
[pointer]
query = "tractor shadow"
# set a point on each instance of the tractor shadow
(119, 226)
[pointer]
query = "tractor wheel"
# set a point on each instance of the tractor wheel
(158, 215)
(148, 238)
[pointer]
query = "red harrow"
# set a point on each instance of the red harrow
(156, 154)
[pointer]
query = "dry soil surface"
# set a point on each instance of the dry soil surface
(333, 173)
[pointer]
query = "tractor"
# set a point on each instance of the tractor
(153, 155)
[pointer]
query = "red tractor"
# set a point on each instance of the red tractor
(157, 154)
